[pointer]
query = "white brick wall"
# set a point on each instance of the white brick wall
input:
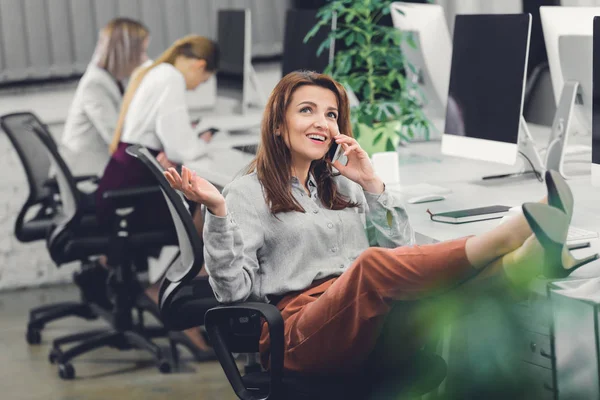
(21, 264)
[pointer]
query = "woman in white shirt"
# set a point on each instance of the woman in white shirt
(154, 114)
(94, 112)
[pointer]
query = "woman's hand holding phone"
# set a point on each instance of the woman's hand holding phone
(359, 168)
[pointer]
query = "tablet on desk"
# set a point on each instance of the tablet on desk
(470, 215)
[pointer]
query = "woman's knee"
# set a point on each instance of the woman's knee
(372, 256)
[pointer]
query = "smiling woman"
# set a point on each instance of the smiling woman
(330, 249)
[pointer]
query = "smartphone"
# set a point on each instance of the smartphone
(336, 152)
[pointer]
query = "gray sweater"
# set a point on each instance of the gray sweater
(251, 254)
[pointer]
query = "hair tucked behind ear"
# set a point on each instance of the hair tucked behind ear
(190, 46)
(273, 163)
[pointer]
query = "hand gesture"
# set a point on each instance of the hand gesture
(359, 168)
(197, 189)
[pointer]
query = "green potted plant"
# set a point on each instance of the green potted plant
(372, 65)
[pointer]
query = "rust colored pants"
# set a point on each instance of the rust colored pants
(334, 325)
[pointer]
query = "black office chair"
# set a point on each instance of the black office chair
(183, 296)
(77, 236)
(43, 195)
(235, 328)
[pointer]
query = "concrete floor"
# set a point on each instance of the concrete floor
(26, 374)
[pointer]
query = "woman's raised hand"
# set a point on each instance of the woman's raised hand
(359, 168)
(197, 189)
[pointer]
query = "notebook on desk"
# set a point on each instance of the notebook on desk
(470, 215)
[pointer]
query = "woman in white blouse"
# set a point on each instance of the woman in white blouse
(94, 112)
(154, 114)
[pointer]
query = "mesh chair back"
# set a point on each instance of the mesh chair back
(69, 194)
(31, 151)
(191, 258)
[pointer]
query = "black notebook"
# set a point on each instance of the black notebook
(471, 215)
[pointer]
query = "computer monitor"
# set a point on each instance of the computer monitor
(234, 36)
(432, 55)
(575, 101)
(575, 53)
(560, 21)
(487, 85)
(596, 105)
(298, 55)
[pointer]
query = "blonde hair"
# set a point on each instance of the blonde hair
(191, 46)
(120, 48)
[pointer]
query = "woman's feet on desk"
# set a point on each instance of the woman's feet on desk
(545, 252)
(559, 193)
(550, 226)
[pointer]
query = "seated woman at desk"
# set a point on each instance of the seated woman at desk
(154, 114)
(94, 112)
(294, 233)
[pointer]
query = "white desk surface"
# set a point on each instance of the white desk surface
(424, 163)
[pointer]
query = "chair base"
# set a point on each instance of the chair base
(40, 316)
(138, 337)
(95, 339)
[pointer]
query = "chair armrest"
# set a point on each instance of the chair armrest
(53, 185)
(131, 193)
(217, 322)
(87, 178)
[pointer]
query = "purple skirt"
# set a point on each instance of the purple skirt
(123, 172)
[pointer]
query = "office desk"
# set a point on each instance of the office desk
(423, 163)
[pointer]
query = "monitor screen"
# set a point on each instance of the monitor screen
(575, 54)
(596, 103)
(487, 76)
(231, 38)
(297, 54)
(431, 56)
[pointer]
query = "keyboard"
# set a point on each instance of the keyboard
(578, 235)
(420, 189)
(250, 148)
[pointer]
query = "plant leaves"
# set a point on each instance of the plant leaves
(378, 137)
(389, 146)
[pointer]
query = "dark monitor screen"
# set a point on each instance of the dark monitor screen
(596, 94)
(487, 76)
(298, 55)
(231, 39)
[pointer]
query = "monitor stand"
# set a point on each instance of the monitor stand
(251, 81)
(533, 161)
(557, 144)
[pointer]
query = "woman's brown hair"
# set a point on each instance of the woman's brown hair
(273, 159)
(191, 46)
(120, 48)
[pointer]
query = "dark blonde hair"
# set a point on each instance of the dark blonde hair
(120, 48)
(191, 46)
(273, 163)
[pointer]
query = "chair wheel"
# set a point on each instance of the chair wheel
(66, 371)
(53, 356)
(164, 367)
(33, 336)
